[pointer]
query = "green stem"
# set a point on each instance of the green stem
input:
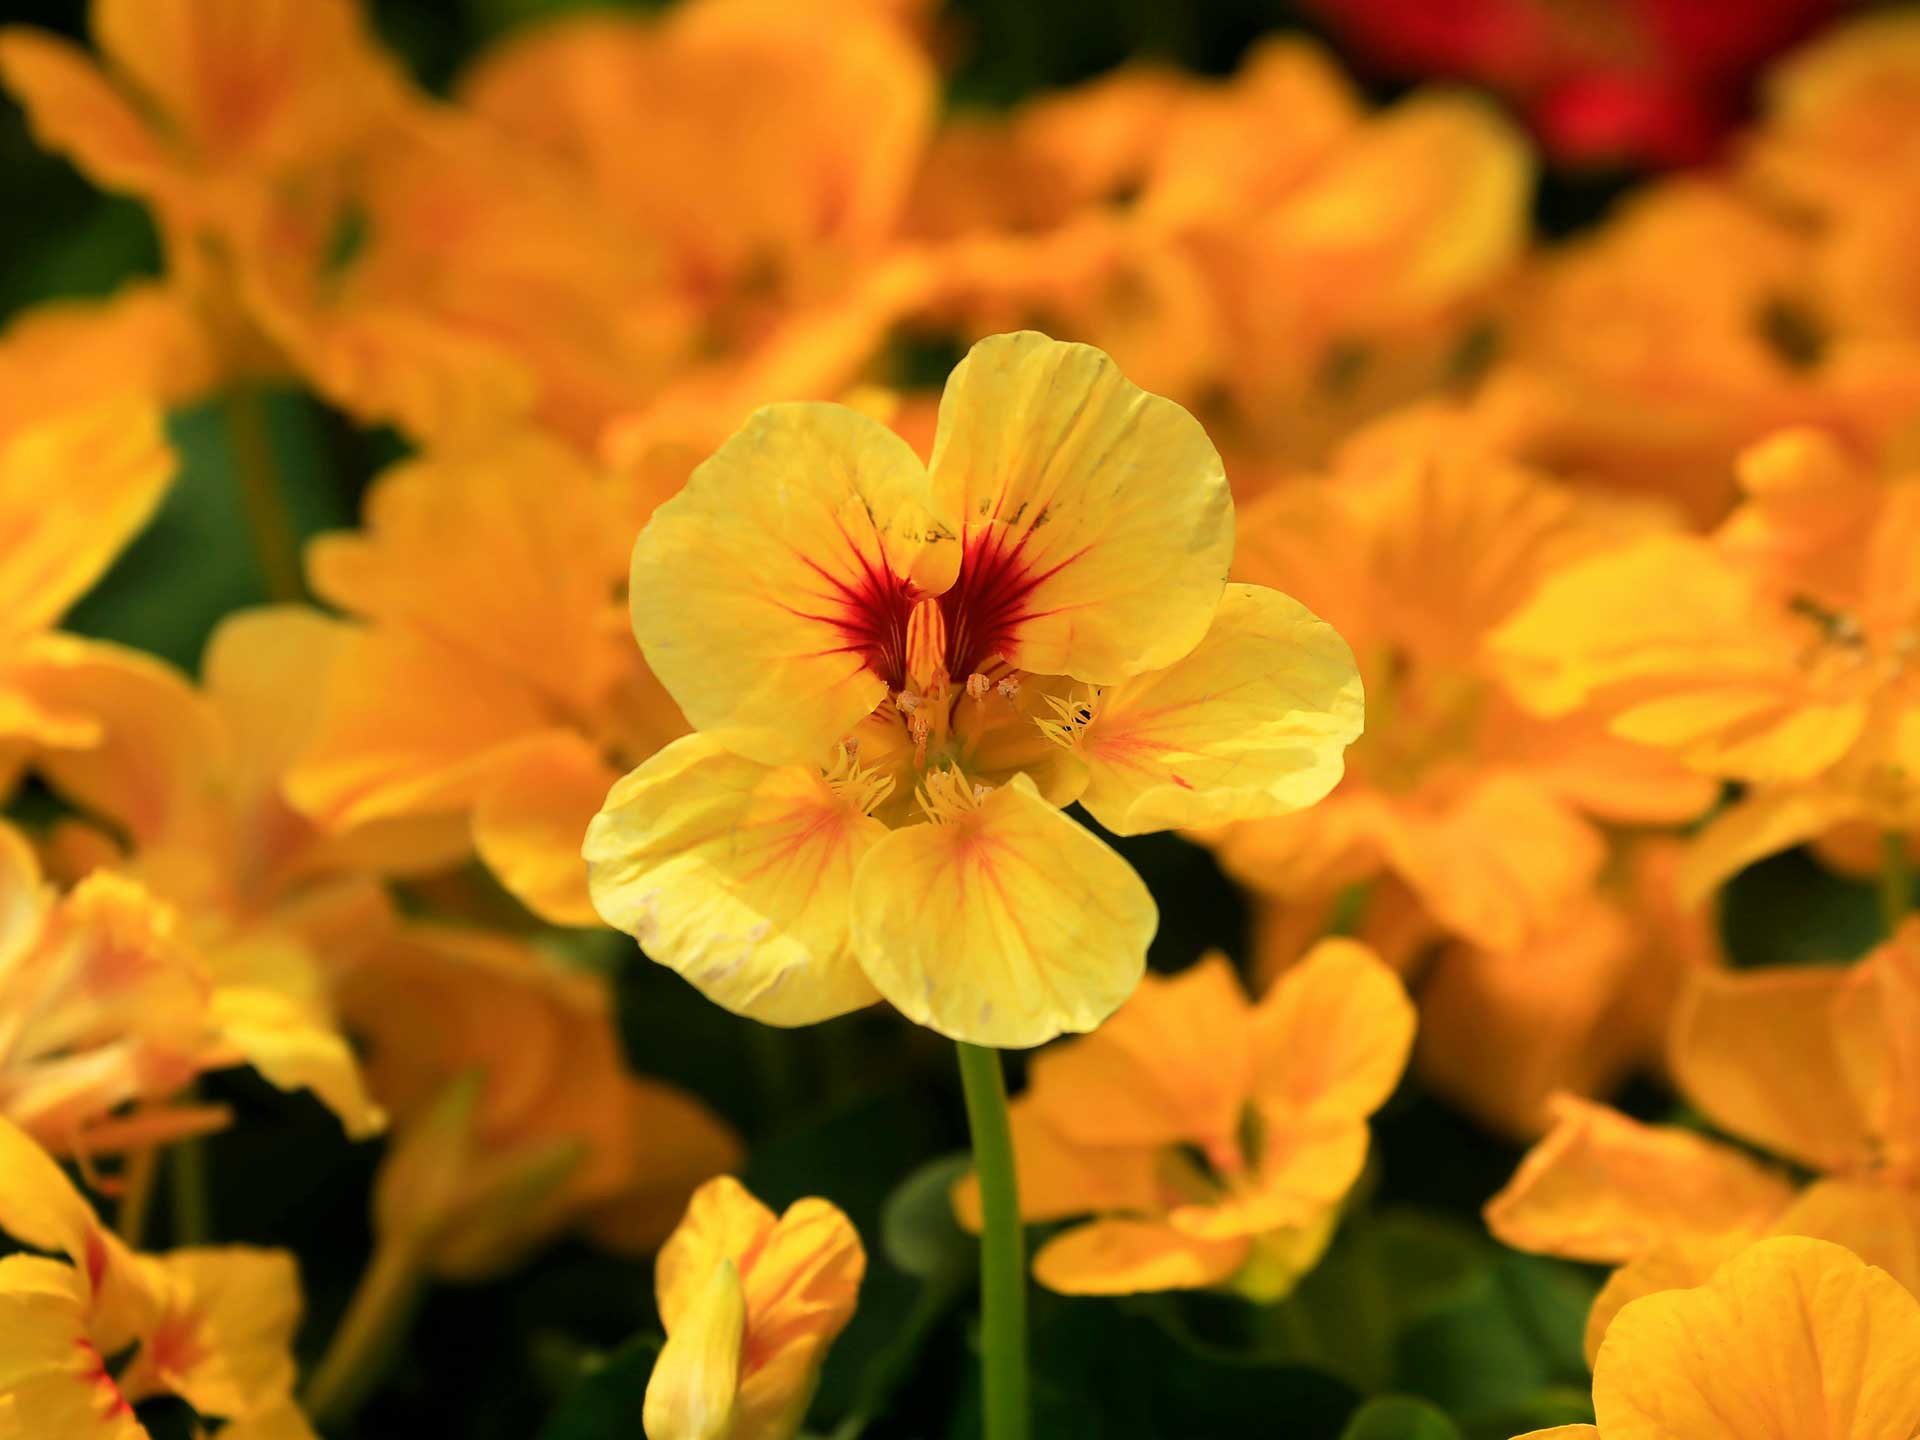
(136, 1199)
(1896, 880)
(1003, 1261)
(261, 497)
(361, 1347)
(190, 1192)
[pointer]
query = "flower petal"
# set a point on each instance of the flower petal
(74, 111)
(1005, 925)
(1604, 1188)
(1059, 1179)
(1332, 1036)
(1792, 1337)
(530, 821)
(1130, 1257)
(1252, 722)
(54, 1379)
(772, 593)
(737, 876)
(1096, 520)
(691, 1393)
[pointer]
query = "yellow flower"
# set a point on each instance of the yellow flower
(1789, 1338)
(898, 673)
(1813, 1064)
(751, 1302)
(211, 1326)
(1782, 651)
(1212, 1139)
(525, 699)
(1418, 547)
(515, 1117)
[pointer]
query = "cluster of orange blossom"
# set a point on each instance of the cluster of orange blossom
(1611, 548)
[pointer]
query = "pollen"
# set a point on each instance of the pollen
(978, 685)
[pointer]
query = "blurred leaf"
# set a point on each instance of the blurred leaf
(917, 1228)
(1516, 1334)
(1397, 1417)
(606, 1404)
(1789, 910)
(1560, 1405)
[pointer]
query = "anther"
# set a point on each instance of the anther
(1008, 687)
(978, 685)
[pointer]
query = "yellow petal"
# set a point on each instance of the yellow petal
(1253, 722)
(1563, 1432)
(801, 1288)
(223, 1343)
(1604, 1188)
(53, 1381)
(737, 876)
(107, 466)
(723, 1221)
(1879, 1222)
(1792, 1338)
(75, 111)
(1172, 1065)
(1764, 1057)
(1005, 925)
(282, 1422)
(1675, 1265)
(1131, 1257)
(697, 1375)
(1332, 1036)
(295, 1049)
(1076, 562)
(772, 592)
(1759, 824)
(531, 820)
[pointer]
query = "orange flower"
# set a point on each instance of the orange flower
(1419, 548)
(1213, 1140)
(491, 581)
(515, 1117)
(750, 1303)
(211, 1326)
(1790, 1338)
(1814, 1064)
(1783, 651)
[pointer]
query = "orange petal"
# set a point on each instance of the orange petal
(1059, 1179)
(1332, 1036)
(1130, 1257)
(532, 819)
(74, 110)
(1604, 1188)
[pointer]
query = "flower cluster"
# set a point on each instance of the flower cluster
(729, 562)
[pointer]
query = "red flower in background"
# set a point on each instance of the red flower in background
(1657, 82)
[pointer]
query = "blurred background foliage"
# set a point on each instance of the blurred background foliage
(1415, 1301)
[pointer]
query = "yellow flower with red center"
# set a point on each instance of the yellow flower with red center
(1814, 1064)
(1783, 651)
(751, 1302)
(898, 673)
(528, 700)
(1211, 1138)
(86, 1338)
(1790, 1338)
(515, 1116)
(1418, 548)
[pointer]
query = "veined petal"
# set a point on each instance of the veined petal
(737, 876)
(697, 1376)
(1131, 1257)
(223, 1342)
(1792, 1337)
(1252, 722)
(107, 465)
(1005, 924)
(1096, 520)
(772, 593)
(1604, 1188)
(54, 1380)
(1879, 1222)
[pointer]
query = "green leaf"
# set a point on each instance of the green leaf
(917, 1228)
(1399, 1417)
(606, 1404)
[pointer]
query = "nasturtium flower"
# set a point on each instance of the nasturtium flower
(1212, 1139)
(87, 1336)
(516, 1118)
(1418, 547)
(1791, 1338)
(1782, 651)
(898, 674)
(526, 701)
(1810, 1063)
(751, 1302)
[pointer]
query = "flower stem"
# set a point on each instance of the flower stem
(136, 1199)
(1003, 1260)
(1896, 880)
(189, 1192)
(357, 1355)
(262, 499)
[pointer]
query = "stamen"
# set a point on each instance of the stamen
(1008, 687)
(907, 701)
(978, 685)
(862, 787)
(927, 647)
(946, 795)
(1073, 713)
